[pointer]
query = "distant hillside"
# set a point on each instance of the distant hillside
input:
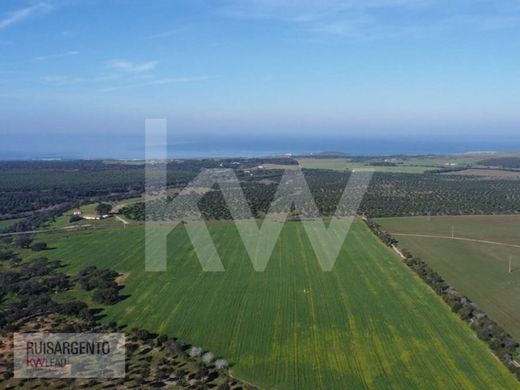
(329, 154)
(502, 162)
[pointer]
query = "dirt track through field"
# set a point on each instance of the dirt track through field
(124, 221)
(456, 238)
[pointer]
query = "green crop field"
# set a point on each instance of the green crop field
(477, 269)
(370, 323)
(5, 223)
(341, 164)
(404, 164)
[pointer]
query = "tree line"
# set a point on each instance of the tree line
(39, 191)
(389, 194)
(28, 288)
(505, 348)
(502, 162)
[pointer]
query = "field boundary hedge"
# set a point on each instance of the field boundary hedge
(502, 344)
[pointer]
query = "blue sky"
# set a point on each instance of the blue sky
(71, 71)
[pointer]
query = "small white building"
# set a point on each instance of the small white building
(94, 216)
(90, 217)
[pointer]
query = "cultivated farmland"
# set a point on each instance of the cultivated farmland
(486, 173)
(477, 269)
(370, 323)
(342, 164)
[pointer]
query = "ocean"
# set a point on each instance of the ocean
(133, 147)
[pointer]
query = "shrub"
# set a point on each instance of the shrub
(24, 241)
(103, 208)
(39, 246)
(221, 364)
(106, 296)
(195, 351)
(75, 218)
(7, 255)
(208, 357)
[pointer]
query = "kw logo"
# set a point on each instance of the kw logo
(292, 195)
(35, 363)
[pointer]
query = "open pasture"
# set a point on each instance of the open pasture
(478, 268)
(404, 164)
(342, 164)
(370, 323)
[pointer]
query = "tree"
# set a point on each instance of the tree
(195, 351)
(221, 364)
(161, 340)
(73, 307)
(103, 208)
(106, 296)
(7, 255)
(24, 241)
(208, 357)
(92, 277)
(75, 218)
(202, 372)
(39, 246)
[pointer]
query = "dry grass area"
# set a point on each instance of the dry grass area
(120, 280)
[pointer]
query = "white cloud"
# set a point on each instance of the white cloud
(23, 13)
(165, 81)
(58, 80)
(309, 10)
(362, 19)
(62, 80)
(131, 67)
(124, 82)
(375, 18)
(165, 34)
(58, 55)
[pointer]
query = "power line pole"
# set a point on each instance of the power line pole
(510, 267)
(452, 231)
